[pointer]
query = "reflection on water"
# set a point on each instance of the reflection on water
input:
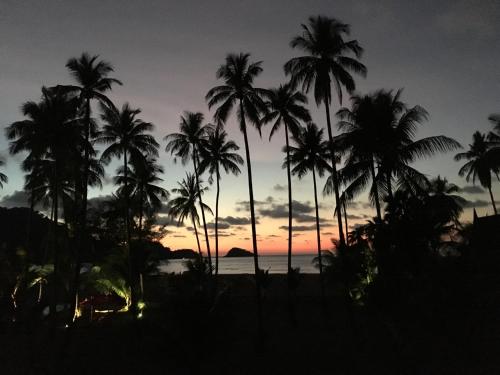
(273, 263)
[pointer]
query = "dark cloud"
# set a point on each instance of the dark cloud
(236, 220)
(357, 217)
(222, 225)
(479, 203)
(18, 198)
(299, 228)
(98, 201)
(472, 189)
(278, 211)
(167, 221)
(279, 187)
(305, 218)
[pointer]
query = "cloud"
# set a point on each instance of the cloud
(98, 201)
(305, 218)
(18, 198)
(278, 211)
(166, 221)
(245, 205)
(235, 220)
(279, 187)
(478, 203)
(221, 225)
(299, 228)
(472, 189)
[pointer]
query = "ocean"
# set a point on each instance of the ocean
(273, 263)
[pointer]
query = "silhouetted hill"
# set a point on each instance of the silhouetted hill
(238, 252)
(182, 254)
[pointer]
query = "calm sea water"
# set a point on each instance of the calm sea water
(273, 263)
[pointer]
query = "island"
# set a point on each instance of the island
(237, 252)
(183, 254)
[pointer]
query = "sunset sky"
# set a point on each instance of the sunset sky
(444, 54)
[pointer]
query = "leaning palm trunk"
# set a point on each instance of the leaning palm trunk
(195, 163)
(492, 200)
(334, 174)
(252, 218)
(197, 238)
(217, 223)
(346, 226)
(290, 214)
(318, 238)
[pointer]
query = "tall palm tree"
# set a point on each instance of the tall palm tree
(379, 137)
(238, 92)
(185, 204)
(186, 145)
(92, 82)
(3, 177)
(328, 60)
(480, 164)
(310, 155)
(50, 136)
(218, 153)
(286, 107)
(126, 136)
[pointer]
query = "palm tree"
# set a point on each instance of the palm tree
(444, 200)
(379, 138)
(3, 178)
(142, 184)
(126, 136)
(310, 155)
(218, 153)
(326, 61)
(49, 135)
(286, 107)
(92, 82)
(480, 164)
(185, 145)
(238, 91)
(184, 205)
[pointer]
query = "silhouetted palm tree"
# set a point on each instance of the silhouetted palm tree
(92, 82)
(380, 132)
(50, 136)
(444, 200)
(142, 183)
(326, 62)
(217, 153)
(185, 204)
(310, 155)
(480, 164)
(3, 177)
(238, 91)
(286, 107)
(126, 136)
(186, 145)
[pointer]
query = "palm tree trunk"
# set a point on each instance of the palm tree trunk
(195, 163)
(55, 275)
(141, 209)
(217, 223)
(290, 214)
(133, 294)
(252, 219)
(492, 200)
(197, 238)
(334, 174)
(318, 238)
(346, 226)
(82, 231)
(375, 189)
